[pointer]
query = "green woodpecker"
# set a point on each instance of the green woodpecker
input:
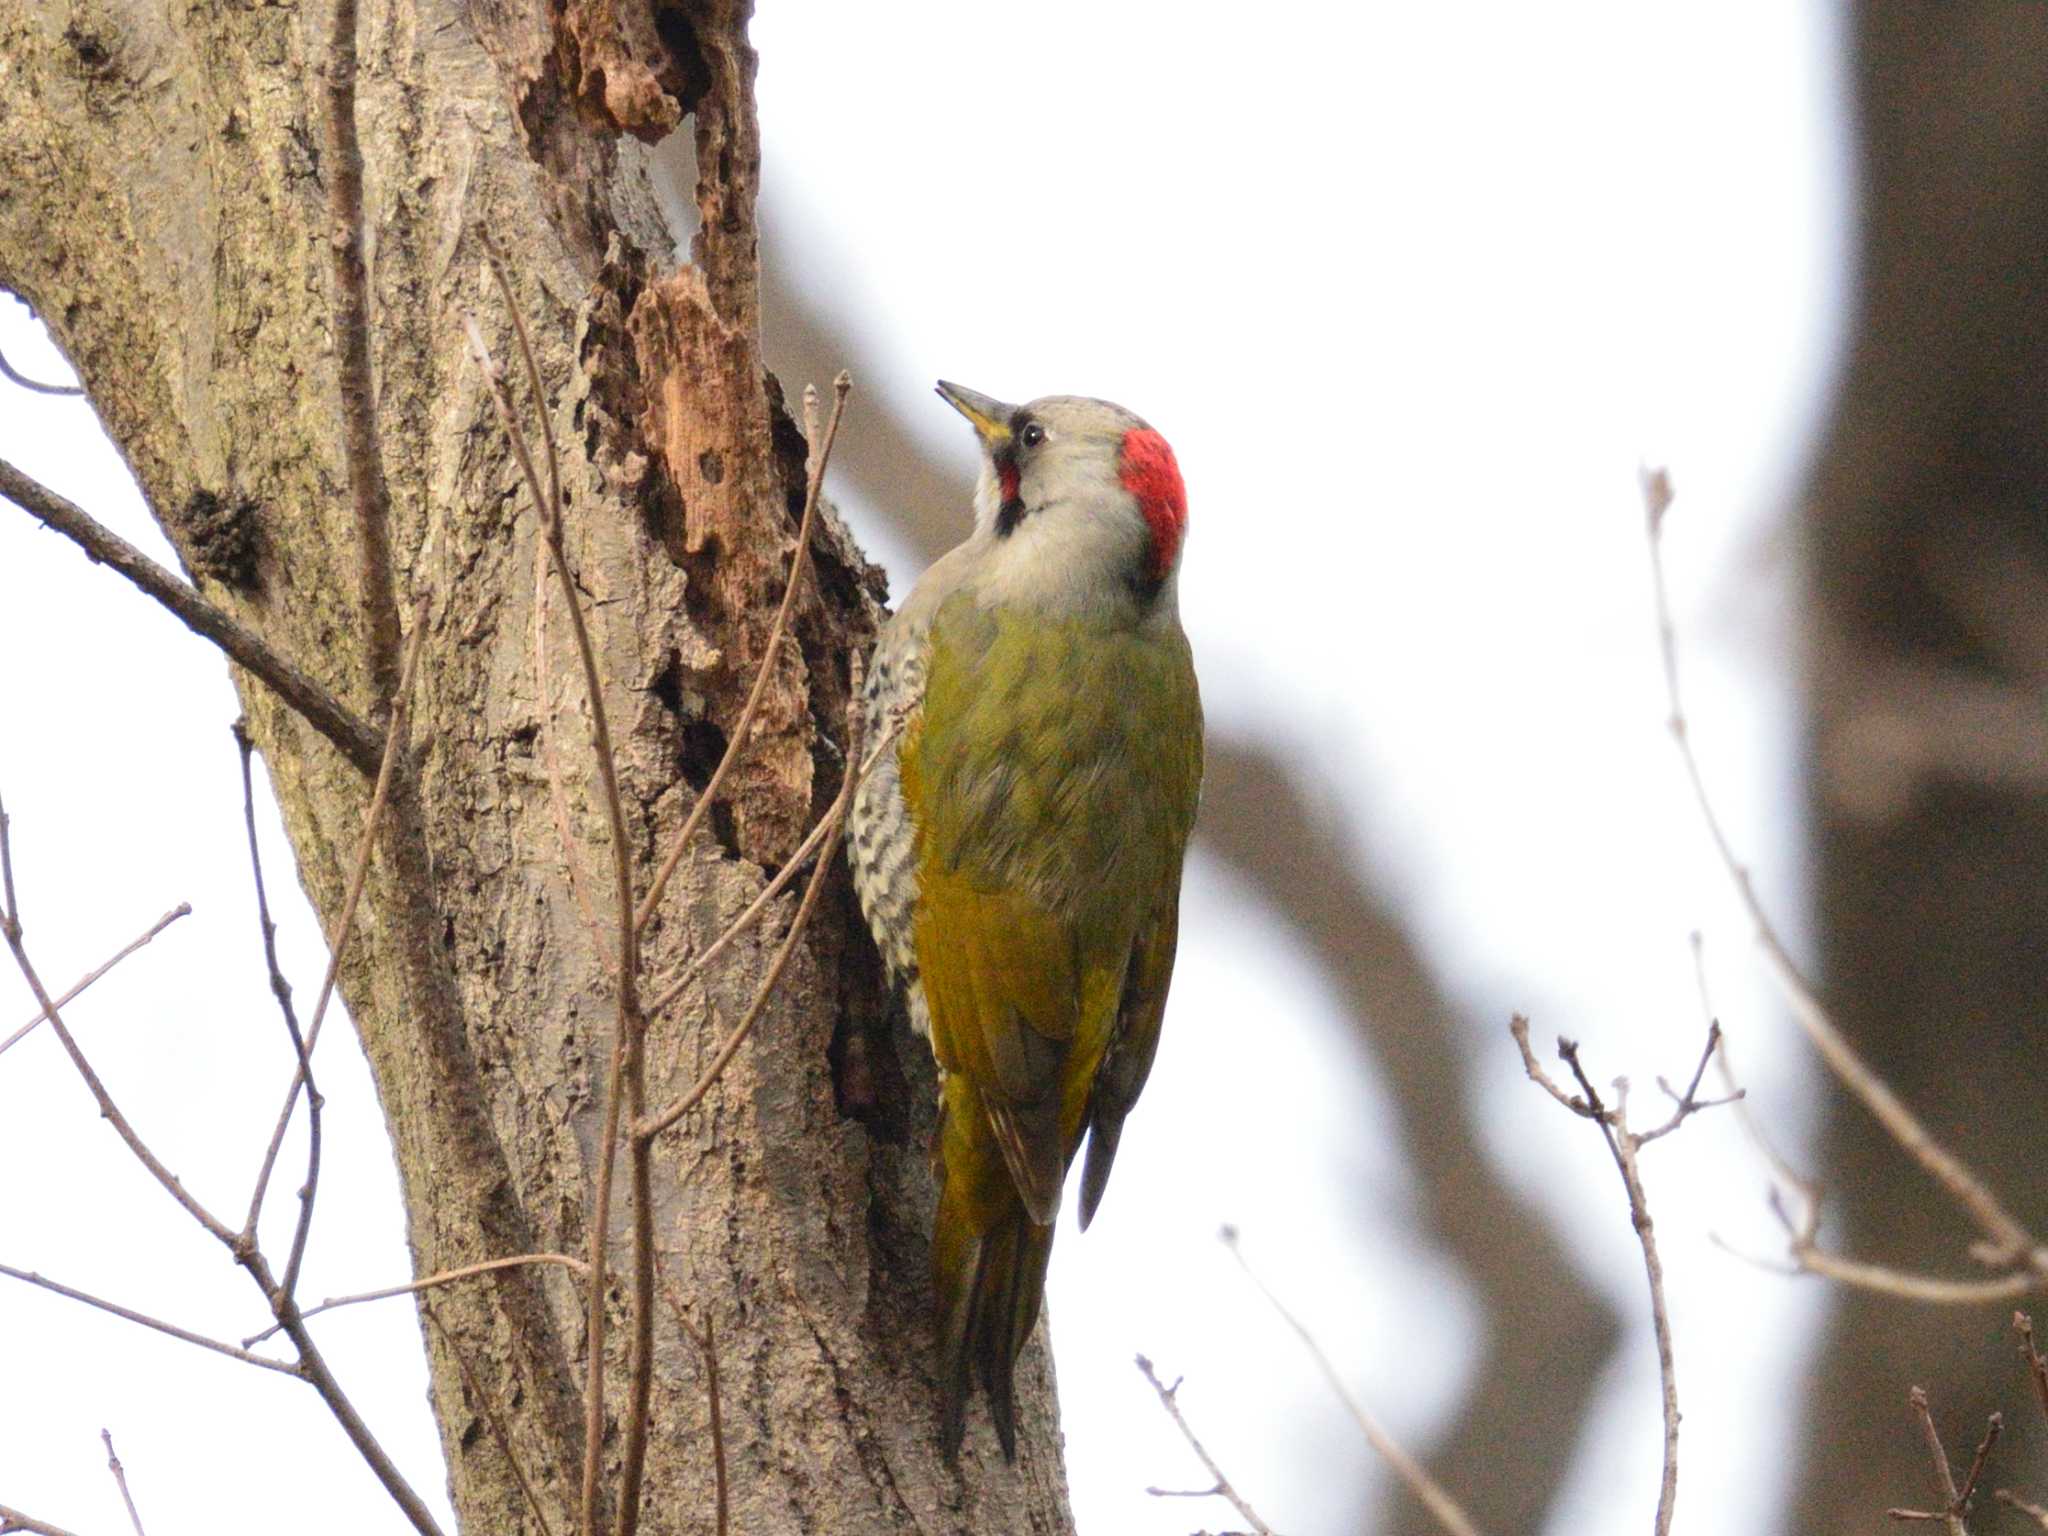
(1018, 849)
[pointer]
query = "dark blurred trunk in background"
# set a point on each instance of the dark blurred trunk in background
(1928, 548)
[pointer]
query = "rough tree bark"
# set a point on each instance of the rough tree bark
(163, 207)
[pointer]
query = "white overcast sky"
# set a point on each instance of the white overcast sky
(1413, 290)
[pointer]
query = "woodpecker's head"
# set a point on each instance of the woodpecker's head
(1080, 503)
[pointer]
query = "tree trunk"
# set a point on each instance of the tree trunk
(1928, 552)
(163, 206)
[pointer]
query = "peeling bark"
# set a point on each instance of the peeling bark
(162, 206)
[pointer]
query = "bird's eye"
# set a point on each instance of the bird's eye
(1032, 435)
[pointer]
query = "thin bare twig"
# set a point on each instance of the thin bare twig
(182, 909)
(312, 1365)
(14, 1520)
(551, 763)
(1444, 1509)
(1169, 1399)
(394, 739)
(2033, 1512)
(100, 1303)
(820, 456)
(540, 402)
(34, 386)
(625, 1084)
(739, 926)
(1955, 1508)
(11, 929)
(314, 702)
(640, 1144)
(1624, 1145)
(1993, 1428)
(317, 1371)
(2007, 1241)
(2037, 1373)
(1907, 1286)
(1690, 1103)
(708, 1344)
(1724, 1067)
(1810, 1258)
(646, 1129)
(492, 1422)
(282, 991)
(430, 1282)
(2037, 1367)
(121, 1481)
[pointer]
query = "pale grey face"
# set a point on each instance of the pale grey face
(1059, 443)
(1055, 526)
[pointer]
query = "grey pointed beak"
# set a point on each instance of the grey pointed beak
(991, 417)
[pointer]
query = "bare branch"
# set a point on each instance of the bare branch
(2008, 1241)
(182, 909)
(1802, 1245)
(30, 1277)
(311, 1365)
(1169, 1399)
(15, 1520)
(34, 386)
(1905, 1284)
(1518, 1026)
(430, 1282)
(1624, 1146)
(783, 877)
(1955, 1501)
(356, 741)
(526, 357)
(551, 763)
(282, 991)
(121, 1481)
(1724, 1066)
(646, 1129)
(625, 1085)
(739, 926)
(11, 928)
(1690, 1103)
(1993, 1428)
(2037, 1373)
(489, 1412)
(2037, 1368)
(316, 1370)
(1428, 1492)
(2033, 1512)
(394, 739)
(709, 1345)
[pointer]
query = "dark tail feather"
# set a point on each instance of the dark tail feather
(1103, 1134)
(991, 1293)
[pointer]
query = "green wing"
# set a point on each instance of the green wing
(1053, 779)
(1052, 775)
